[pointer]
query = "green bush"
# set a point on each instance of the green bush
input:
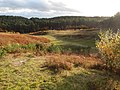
(16, 48)
(28, 47)
(42, 47)
(55, 49)
(2, 52)
(109, 47)
(11, 48)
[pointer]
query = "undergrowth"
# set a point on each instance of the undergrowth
(58, 63)
(59, 69)
(42, 49)
(29, 73)
(16, 48)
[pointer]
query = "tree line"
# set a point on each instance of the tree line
(25, 25)
(112, 23)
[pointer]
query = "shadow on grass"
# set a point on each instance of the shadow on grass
(76, 36)
(39, 33)
(77, 43)
(77, 40)
(76, 49)
(90, 81)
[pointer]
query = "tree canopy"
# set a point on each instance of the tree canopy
(25, 25)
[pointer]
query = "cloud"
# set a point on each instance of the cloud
(40, 8)
(51, 8)
(59, 6)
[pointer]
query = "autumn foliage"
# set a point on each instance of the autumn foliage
(6, 39)
(59, 62)
(109, 47)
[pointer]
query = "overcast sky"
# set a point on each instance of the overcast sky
(52, 8)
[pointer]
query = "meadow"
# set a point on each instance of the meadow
(55, 60)
(74, 40)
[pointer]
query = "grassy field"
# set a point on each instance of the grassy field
(58, 71)
(74, 40)
(29, 72)
(73, 37)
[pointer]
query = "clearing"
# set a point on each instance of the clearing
(55, 71)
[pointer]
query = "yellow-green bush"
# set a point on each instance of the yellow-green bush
(109, 47)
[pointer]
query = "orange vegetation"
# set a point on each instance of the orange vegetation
(6, 39)
(58, 62)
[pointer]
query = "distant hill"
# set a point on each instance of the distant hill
(25, 25)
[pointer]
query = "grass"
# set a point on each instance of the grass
(28, 73)
(16, 43)
(73, 39)
(57, 71)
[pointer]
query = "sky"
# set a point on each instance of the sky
(53, 8)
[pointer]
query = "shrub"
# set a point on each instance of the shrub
(109, 48)
(41, 49)
(47, 47)
(42, 46)
(12, 48)
(2, 52)
(16, 48)
(55, 49)
(57, 64)
(28, 47)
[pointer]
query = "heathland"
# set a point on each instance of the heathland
(61, 53)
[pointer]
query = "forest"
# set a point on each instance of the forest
(25, 25)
